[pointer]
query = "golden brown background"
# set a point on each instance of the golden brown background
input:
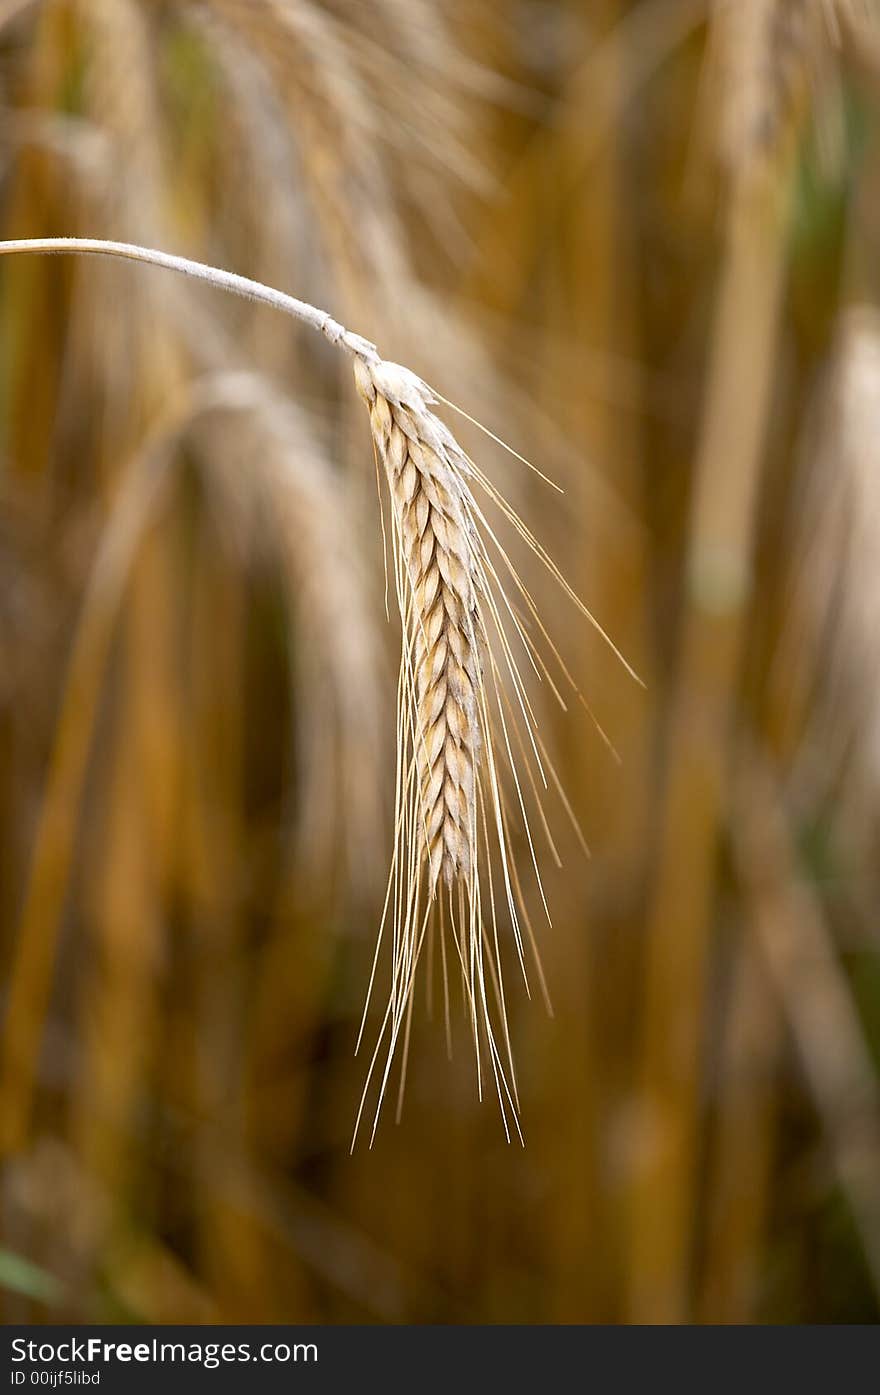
(638, 240)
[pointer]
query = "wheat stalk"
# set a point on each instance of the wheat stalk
(831, 645)
(469, 748)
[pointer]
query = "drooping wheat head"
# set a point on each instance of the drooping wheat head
(468, 739)
(444, 727)
(470, 753)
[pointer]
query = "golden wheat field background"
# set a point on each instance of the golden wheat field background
(638, 240)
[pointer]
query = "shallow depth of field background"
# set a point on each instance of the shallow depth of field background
(638, 239)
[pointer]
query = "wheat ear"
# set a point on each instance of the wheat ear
(445, 632)
(469, 748)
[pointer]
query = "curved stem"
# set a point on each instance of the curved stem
(224, 280)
